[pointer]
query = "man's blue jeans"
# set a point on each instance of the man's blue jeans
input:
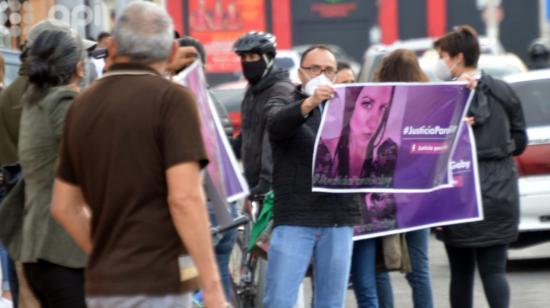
(5, 262)
(363, 273)
(9, 277)
(419, 279)
(290, 253)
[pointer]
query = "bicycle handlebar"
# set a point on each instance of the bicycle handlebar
(237, 222)
(257, 197)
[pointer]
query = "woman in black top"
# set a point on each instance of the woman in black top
(499, 130)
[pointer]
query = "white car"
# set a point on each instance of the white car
(496, 65)
(374, 54)
(533, 88)
(289, 60)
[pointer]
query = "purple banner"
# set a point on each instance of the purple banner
(223, 169)
(384, 214)
(389, 137)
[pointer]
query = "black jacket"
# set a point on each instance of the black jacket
(292, 140)
(255, 147)
(499, 128)
(500, 133)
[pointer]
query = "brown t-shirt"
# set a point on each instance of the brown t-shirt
(120, 136)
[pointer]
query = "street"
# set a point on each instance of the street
(528, 276)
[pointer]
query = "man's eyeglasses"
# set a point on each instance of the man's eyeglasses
(316, 70)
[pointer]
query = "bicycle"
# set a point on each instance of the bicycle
(248, 268)
(217, 233)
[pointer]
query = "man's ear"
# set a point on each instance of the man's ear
(111, 53)
(111, 46)
(174, 52)
(302, 76)
(460, 57)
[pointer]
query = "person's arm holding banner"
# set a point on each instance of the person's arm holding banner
(284, 118)
(184, 57)
(280, 91)
(321, 94)
(264, 183)
(518, 126)
(508, 99)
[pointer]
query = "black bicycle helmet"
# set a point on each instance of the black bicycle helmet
(538, 49)
(256, 42)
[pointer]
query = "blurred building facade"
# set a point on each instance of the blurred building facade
(356, 24)
(352, 24)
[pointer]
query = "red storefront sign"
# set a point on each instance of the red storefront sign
(334, 10)
(218, 23)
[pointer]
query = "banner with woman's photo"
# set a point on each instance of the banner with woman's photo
(385, 138)
(224, 182)
(390, 213)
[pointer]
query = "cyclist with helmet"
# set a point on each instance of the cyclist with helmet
(538, 55)
(265, 82)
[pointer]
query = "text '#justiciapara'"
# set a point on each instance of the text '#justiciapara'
(428, 130)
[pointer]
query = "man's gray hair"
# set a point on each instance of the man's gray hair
(144, 32)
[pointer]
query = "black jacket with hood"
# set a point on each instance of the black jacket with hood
(255, 147)
(293, 139)
(500, 133)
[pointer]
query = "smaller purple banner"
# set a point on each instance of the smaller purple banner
(384, 214)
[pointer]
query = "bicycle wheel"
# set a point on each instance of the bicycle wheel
(248, 271)
(238, 267)
(260, 276)
(239, 253)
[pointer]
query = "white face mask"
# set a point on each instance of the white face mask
(442, 71)
(312, 84)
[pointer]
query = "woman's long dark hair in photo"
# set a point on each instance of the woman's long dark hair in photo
(342, 149)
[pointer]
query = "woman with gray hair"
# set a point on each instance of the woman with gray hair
(52, 261)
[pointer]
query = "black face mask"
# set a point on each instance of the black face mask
(253, 71)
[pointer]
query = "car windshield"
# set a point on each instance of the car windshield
(230, 98)
(500, 71)
(535, 99)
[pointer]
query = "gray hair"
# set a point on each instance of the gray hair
(144, 32)
(52, 61)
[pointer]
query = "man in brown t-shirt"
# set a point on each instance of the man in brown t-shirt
(132, 152)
